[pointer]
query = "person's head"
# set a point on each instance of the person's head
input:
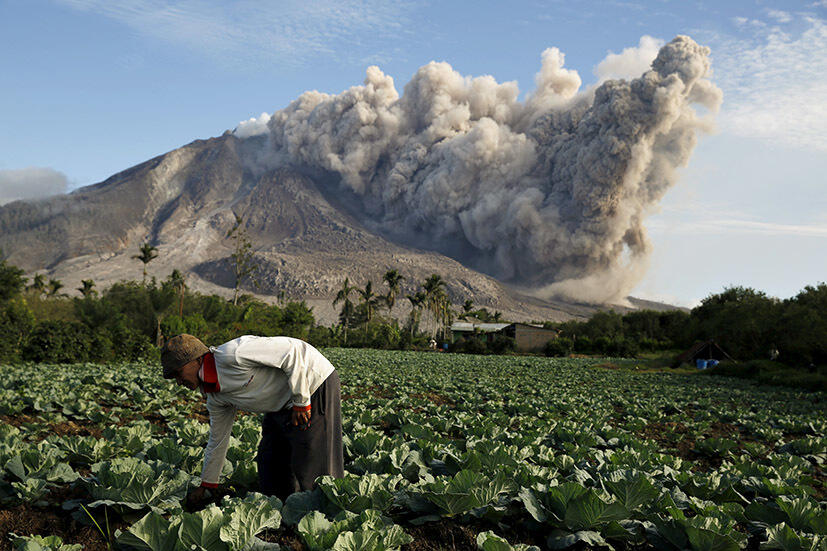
(181, 359)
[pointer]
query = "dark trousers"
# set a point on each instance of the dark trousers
(290, 459)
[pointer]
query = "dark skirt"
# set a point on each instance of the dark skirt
(290, 459)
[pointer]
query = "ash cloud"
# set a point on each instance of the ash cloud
(31, 183)
(549, 193)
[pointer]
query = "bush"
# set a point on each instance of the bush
(501, 344)
(772, 373)
(16, 320)
(58, 342)
(385, 336)
(583, 345)
(558, 347)
(469, 345)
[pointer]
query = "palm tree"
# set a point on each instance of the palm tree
(467, 307)
(347, 308)
(177, 279)
(55, 285)
(38, 284)
(148, 254)
(435, 297)
(370, 300)
(417, 301)
(393, 279)
(88, 288)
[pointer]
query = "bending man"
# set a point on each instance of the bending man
(288, 380)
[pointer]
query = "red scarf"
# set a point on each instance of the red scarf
(209, 380)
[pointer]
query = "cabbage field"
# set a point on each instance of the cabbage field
(442, 451)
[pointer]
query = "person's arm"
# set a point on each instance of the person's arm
(221, 425)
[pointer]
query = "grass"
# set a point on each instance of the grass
(763, 372)
(766, 372)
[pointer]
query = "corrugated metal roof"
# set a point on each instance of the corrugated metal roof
(461, 326)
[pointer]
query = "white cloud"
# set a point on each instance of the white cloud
(775, 83)
(695, 218)
(31, 183)
(257, 33)
(631, 62)
(780, 16)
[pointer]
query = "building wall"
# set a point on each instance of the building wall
(532, 339)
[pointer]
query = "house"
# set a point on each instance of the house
(527, 338)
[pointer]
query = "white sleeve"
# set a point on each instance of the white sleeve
(221, 425)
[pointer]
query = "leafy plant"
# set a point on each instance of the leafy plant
(368, 531)
(131, 484)
(210, 529)
(358, 493)
(42, 543)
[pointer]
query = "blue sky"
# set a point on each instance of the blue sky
(92, 87)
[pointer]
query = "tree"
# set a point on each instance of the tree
(742, 320)
(369, 300)
(147, 255)
(434, 288)
(347, 307)
(55, 285)
(244, 266)
(38, 284)
(87, 289)
(393, 279)
(11, 279)
(467, 307)
(177, 280)
(417, 301)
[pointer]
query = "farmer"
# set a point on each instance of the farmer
(289, 381)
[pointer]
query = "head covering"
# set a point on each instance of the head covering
(179, 351)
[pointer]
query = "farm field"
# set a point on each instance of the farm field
(442, 451)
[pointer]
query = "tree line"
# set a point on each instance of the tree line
(744, 322)
(130, 319)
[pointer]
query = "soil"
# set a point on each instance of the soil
(19, 419)
(286, 538)
(75, 428)
(71, 427)
(25, 521)
(435, 536)
(434, 398)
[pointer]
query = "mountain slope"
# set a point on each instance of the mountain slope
(185, 201)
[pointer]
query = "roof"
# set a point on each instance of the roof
(465, 326)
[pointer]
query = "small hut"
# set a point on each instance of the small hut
(702, 350)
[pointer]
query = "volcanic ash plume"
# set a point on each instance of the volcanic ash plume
(549, 193)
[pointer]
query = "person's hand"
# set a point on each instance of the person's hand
(197, 498)
(301, 419)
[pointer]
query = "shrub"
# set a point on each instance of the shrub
(469, 345)
(583, 345)
(501, 344)
(558, 347)
(385, 336)
(16, 320)
(58, 342)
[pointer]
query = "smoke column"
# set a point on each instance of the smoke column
(549, 193)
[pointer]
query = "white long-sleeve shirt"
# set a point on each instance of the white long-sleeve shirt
(258, 374)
